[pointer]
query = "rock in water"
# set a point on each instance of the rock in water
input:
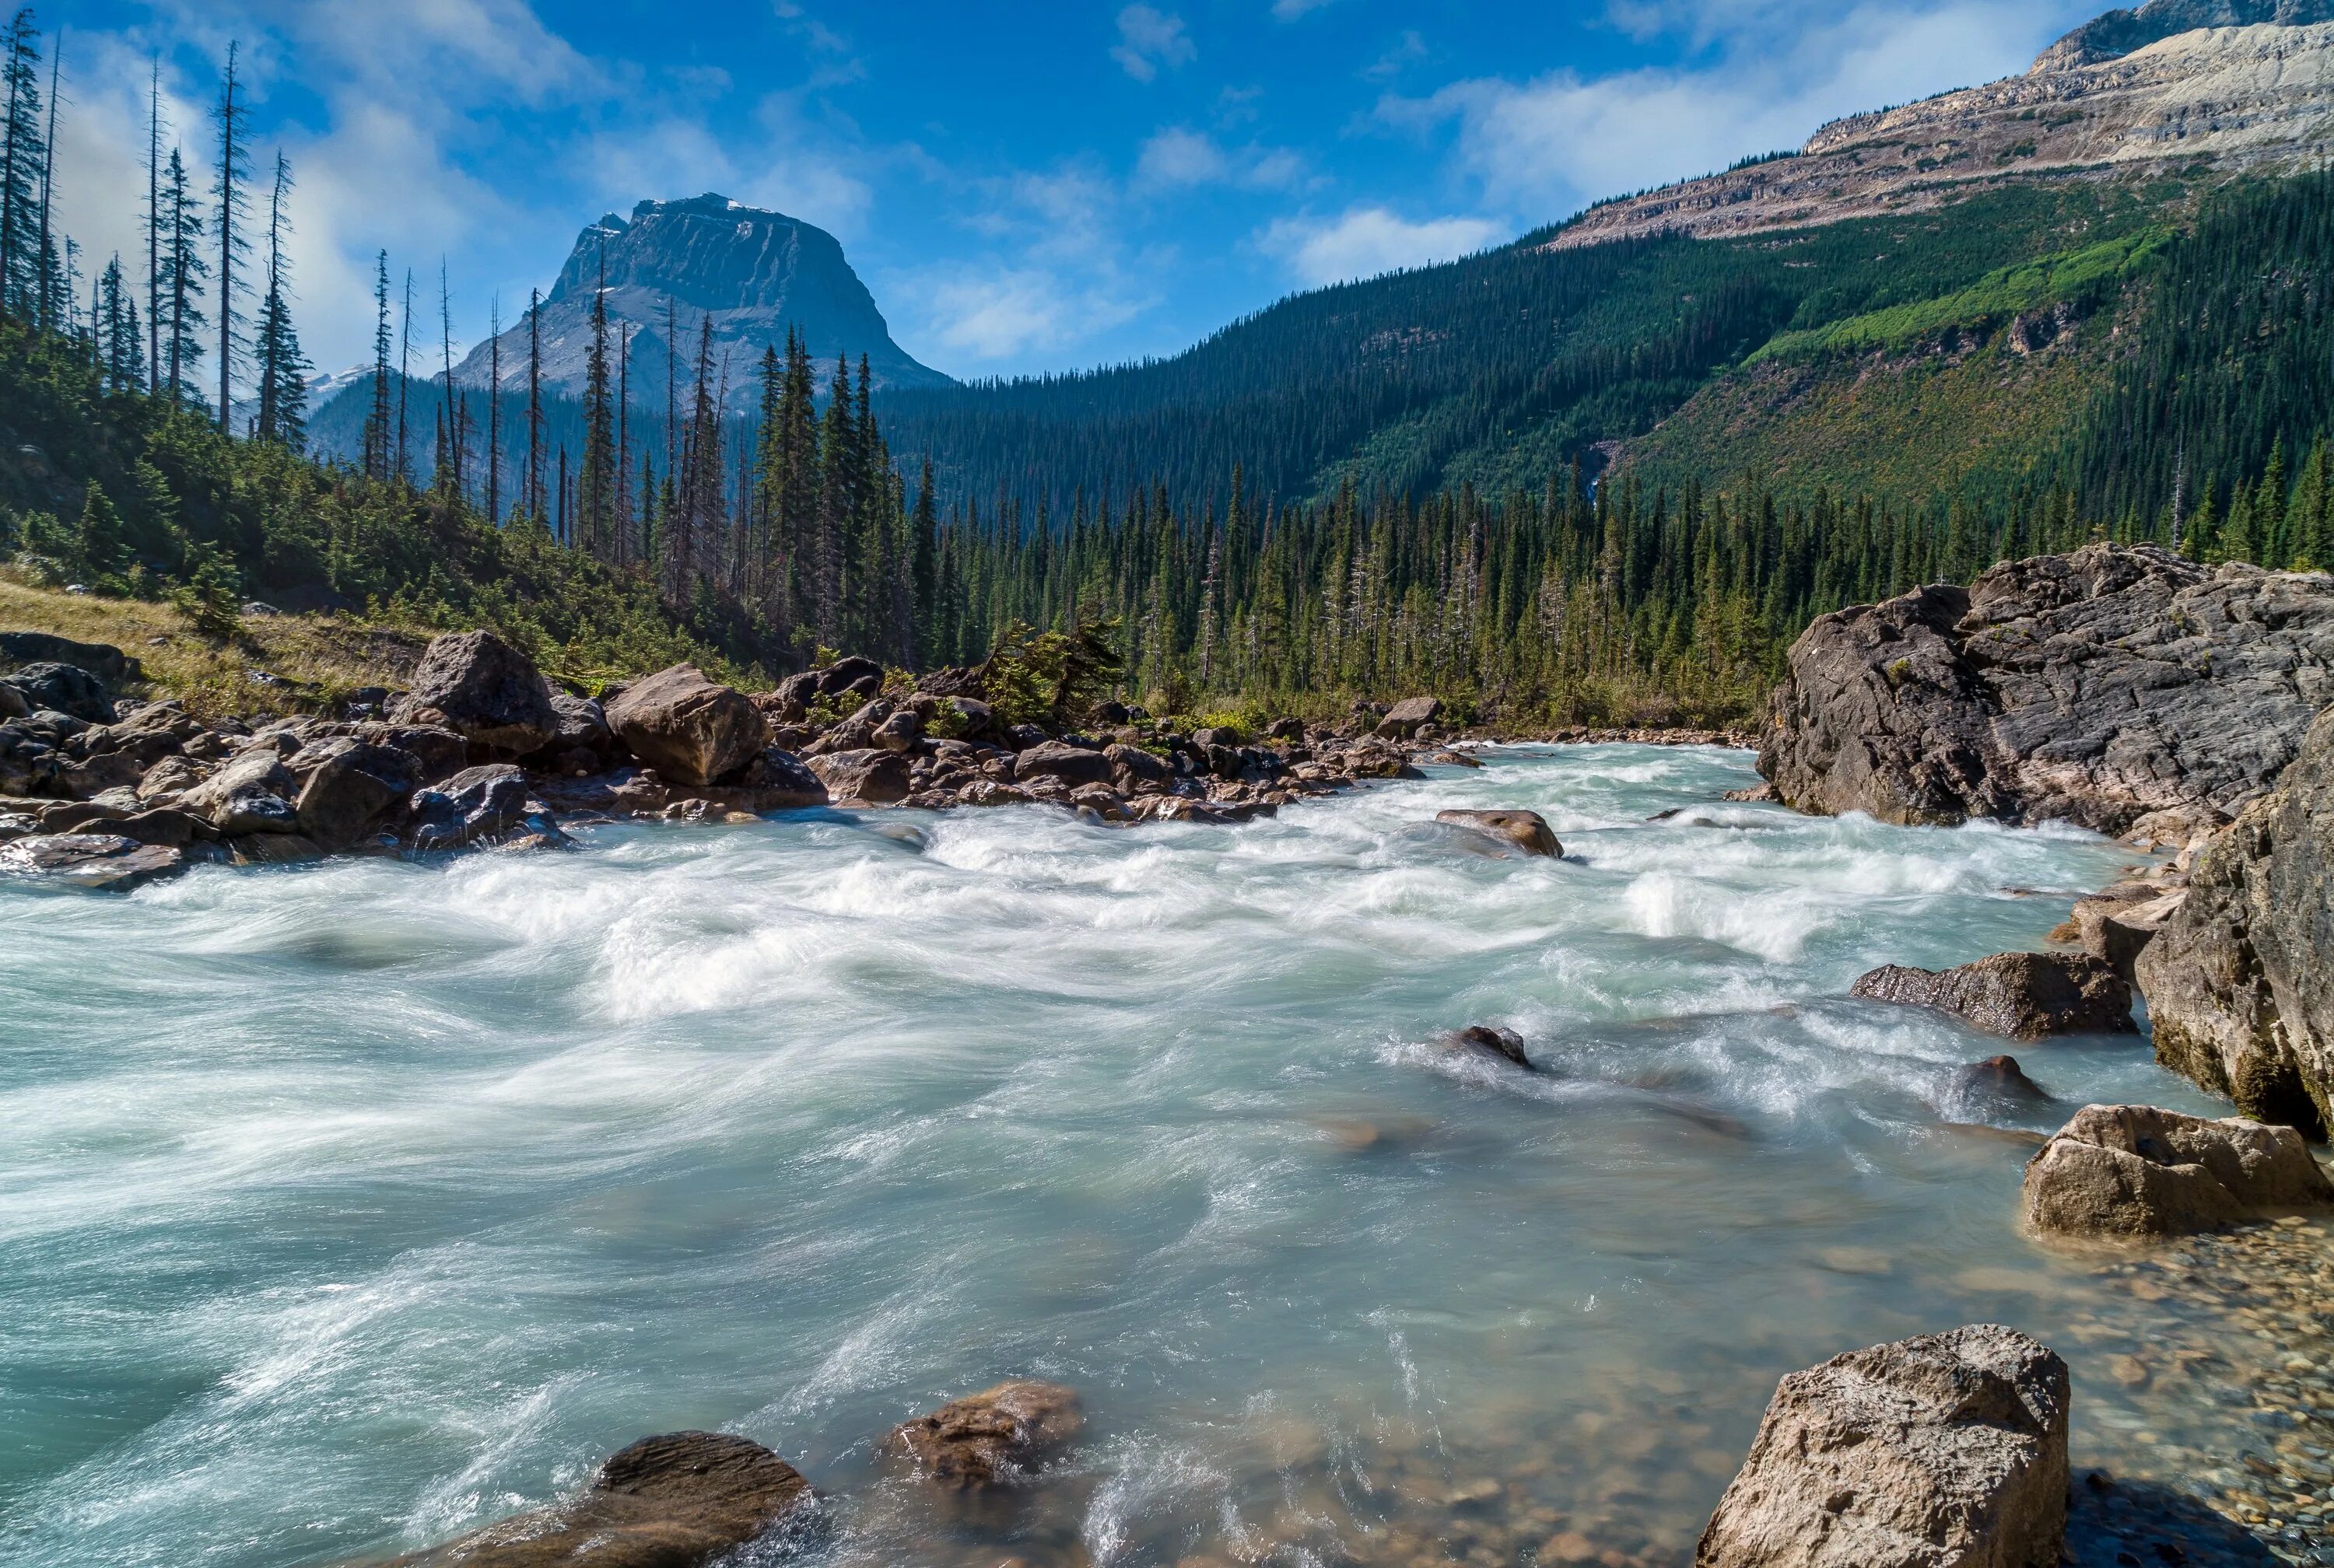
(478, 805)
(992, 1436)
(1528, 830)
(690, 730)
(2022, 996)
(483, 690)
(1055, 759)
(353, 792)
(108, 862)
(1945, 1451)
(2114, 684)
(2135, 1170)
(675, 1501)
(1405, 719)
(2240, 978)
(251, 794)
(1997, 1081)
(868, 776)
(1504, 1044)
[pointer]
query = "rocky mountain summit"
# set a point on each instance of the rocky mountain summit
(2217, 86)
(755, 273)
(2121, 687)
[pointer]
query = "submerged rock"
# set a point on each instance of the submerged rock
(690, 730)
(2022, 996)
(2114, 683)
(1996, 1081)
(1942, 1451)
(1504, 1044)
(675, 1501)
(2240, 978)
(2133, 1171)
(993, 1436)
(109, 863)
(483, 689)
(1528, 830)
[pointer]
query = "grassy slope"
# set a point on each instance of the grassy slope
(320, 657)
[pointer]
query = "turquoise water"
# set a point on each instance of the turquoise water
(344, 1207)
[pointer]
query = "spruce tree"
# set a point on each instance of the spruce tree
(283, 368)
(183, 271)
(596, 483)
(377, 422)
(231, 204)
(23, 155)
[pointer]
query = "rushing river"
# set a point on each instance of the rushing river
(344, 1207)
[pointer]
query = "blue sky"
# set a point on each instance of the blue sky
(1025, 187)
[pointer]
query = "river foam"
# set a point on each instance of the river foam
(344, 1207)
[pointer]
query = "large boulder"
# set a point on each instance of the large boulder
(869, 775)
(2134, 1171)
(1942, 1451)
(2022, 996)
(64, 688)
(353, 791)
(2239, 977)
(483, 690)
(1070, 764)
(997, 1435)
(691, 729)
(101, 659)
(675, 1501)
(2115, 684)
(1528, 830)
(1406, 718)
(779, 781)
(1135, 769)
(108, 862)
(253, 793)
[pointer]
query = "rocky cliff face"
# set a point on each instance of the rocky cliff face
(2119, 96)
(2120, 688)
(2240, 982)
(754, 274)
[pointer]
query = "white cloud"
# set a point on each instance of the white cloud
(1290, 10)
(1546, 146)
(1368, 240)
(1179, 158)
(1149, 39)
(1006, 312)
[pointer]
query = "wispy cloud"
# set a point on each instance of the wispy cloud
(1179, 158)
(1543, 146)
(1149, 39)
(1366, 241)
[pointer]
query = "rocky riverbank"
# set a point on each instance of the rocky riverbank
(107, 791)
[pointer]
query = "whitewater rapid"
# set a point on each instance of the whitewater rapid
(346, 1207)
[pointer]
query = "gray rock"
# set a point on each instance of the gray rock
(1528, 830)
(108, 862)
(1405, 719)
(1504, 1044)
(477, 806)
(997, 1435)
(690, 730)
(2240, 979)
(12, 704)
(2112, 685)
(2022, 996)
(675, 1501)
(868, 776)
(252, 794)
(1942, 1451)
(2134, 1171)
(1054, 759)
(485, 690)
(900, 732)
(354, 791)
(1135, 769)
(40, 648)
(64, 688)
(779, 781)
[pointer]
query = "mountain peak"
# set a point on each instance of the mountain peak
(754, 274)
(2117, 34)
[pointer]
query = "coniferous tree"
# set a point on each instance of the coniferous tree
(23, 155)
(597, 477)
(154, 226)
(56, 276)
(377, 422)
(404, 468)
(494, 412)
(231, 204)
(534, 485)
(283, 368)
(183, 271)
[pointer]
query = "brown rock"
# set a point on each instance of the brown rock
(1505, 1043)
(252, 794)
(1528, 830)
(2022, 996)
(993, 1436)
(485, 690)
(1943, 1451)
(1404, 718)
(108, 862)
(868, 776)
(2135, 1170)
(1072, 766)
(690, 730)
(676, 1500)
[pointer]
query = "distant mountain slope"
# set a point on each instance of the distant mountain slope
(755, 274)
(2225, 102)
